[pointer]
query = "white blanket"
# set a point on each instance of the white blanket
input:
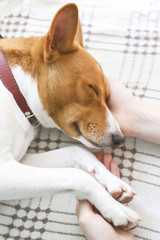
(124, 36)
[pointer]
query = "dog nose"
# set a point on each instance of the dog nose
(117, 139)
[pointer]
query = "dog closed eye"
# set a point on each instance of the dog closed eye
(94, 89)
(75, 124)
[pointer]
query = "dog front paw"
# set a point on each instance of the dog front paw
(115, 212)
(115, 186)
(125, 218)
(120, 190)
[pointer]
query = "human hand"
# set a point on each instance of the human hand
(91, 222)
(123, 105)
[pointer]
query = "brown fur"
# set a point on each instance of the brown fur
(71, 85)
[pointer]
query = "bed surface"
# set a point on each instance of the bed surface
(124, 36)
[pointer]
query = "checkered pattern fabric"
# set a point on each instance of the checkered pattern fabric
(124, 36)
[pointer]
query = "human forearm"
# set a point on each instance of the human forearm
(145, 122)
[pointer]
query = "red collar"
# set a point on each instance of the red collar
(9, 82)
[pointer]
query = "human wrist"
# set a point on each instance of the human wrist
(145, 123)
(132, 118)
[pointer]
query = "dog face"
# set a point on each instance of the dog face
(72, 86)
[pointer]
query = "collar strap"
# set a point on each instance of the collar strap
(9, 82)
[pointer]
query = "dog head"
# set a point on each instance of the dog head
(71, 84)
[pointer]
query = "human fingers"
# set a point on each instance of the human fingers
(114, 169)
(106, 159)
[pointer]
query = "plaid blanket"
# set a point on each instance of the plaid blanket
(124, 36)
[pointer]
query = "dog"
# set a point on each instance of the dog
(64, 87)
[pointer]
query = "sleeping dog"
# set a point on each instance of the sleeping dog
(55, 80)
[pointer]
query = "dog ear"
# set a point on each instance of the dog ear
(79, 35)
(61, 35)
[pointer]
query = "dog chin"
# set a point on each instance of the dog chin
(90, 144)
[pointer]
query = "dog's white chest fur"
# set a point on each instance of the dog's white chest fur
(16, 132)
